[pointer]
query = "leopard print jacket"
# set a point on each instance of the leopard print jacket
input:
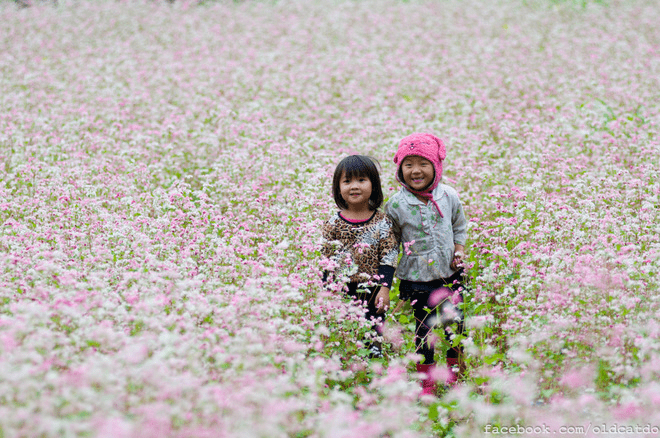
(359, 249)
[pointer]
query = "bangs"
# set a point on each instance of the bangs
(356, 166)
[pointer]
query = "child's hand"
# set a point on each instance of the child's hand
(457, 262)
(382, 300)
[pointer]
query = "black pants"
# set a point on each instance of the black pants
(430, 309)
(367, 299)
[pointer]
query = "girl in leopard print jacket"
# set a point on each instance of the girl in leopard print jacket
(359, 241)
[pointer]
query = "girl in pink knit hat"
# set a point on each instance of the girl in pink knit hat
(433, 232)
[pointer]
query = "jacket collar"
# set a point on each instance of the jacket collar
(411, 199)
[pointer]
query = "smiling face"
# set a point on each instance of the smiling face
(418, 173)
(356, 184)
(356, 191)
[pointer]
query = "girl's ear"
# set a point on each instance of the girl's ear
(442, 151)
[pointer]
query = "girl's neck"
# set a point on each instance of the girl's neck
(357, 215)
(421, 198)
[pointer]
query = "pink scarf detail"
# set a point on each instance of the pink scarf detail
(428, 193)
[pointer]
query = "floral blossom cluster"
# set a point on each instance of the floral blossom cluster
(165, 168)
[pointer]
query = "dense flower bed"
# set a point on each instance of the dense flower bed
(164, 169)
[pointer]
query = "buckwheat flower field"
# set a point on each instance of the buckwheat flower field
(165, 169)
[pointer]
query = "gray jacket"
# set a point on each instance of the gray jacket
(430, 256)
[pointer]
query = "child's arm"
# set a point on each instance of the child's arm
(459, 226)
(389, 255)
(327, 249)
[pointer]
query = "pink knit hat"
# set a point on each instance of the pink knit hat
(426, 146)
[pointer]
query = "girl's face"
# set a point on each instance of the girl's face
(355, 191)
(417, 172)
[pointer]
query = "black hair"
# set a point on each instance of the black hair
(358, 166)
